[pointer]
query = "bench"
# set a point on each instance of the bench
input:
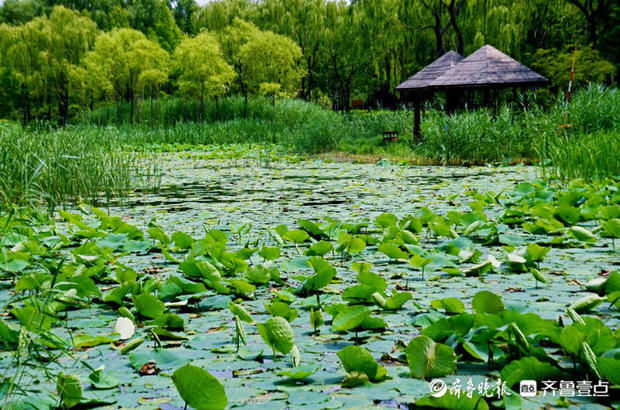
(390, 136)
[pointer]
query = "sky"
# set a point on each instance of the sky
(200, 2)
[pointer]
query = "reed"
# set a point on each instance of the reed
(594, 156)
(59, 166)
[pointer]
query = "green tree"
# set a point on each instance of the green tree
(595, 13)
(216, 16)
(589, 66)
(184, 12)
(155, 20)
(304, 22)
(69, 37)
(385, 46)
(271, 58)
(20, 11)
(344, 58)
(261, 57)
(24, 64)
(443, 16)
(121, 62)
(201, 68)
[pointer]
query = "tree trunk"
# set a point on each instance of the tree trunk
(133, 106)
(592, 30)
(347, 96)
(217, 108)
(438, 36)
(202, 108)
(27, 117)
(459, 35)
(63, 104)
(119, 113)
(139, 109)
(310, 84)
(48, 101)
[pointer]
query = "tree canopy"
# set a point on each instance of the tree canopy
(124, 62)
(201, 68)
(312, 49)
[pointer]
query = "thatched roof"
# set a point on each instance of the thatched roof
(487, 67)
(435, 69)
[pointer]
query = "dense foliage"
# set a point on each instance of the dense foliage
(105, 310)
(61, 57)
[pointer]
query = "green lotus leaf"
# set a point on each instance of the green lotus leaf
(277, 334)
(356, 358)
(349, 318)
(487, 302)
(428, 359)
(199, 389)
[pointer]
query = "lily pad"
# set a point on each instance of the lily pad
(199, 389)
(428, 359)
(277, 333)
(300, 372)
(355, 358)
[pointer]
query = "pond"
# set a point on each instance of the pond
(248, 199)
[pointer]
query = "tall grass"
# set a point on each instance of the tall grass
(477, 136)
(592, 156)
(588, 143)
(592, 122)
(474, 136)
(297, 125)
(169, 111)
(56, 166)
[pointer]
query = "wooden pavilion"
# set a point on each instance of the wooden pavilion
(484, 70)
(416, 88)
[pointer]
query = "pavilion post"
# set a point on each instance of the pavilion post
(416, 119)
(451, 101)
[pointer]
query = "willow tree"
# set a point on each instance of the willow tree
(270, 58)
(24, 64)
(443, 17)
(262, 60)
(70, 37)
(344, 58)
(122, 60)
(304, 22)
(595, 12)
(385, 43)
(201, 68)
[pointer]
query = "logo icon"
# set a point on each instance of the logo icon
(527, 388)
(437, 387)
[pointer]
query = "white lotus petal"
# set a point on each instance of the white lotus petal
(496, 264)
(125, 328)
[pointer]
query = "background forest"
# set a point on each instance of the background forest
(60, 58)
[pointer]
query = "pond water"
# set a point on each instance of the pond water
(200, 193)
(220, 192)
